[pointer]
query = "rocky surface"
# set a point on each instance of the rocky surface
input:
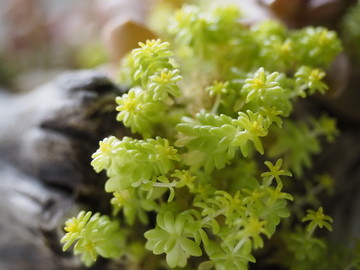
(46, 139)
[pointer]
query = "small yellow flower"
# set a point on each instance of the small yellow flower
(317, 219)
(74, 227)
(120, 197)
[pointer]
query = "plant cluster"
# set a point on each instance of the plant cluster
(205, 108)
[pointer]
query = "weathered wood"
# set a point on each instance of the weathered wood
(46, 139)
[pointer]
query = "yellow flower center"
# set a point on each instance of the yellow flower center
(129, 106)
(121, 197)
(258, 84)
(257, 129)
(316, 74)
(72, 227)
(285, 48)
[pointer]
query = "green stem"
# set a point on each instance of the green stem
(310, 233)
(351, 265)
(206, 219)
(240, 244)
(216, 104)
(166, 185)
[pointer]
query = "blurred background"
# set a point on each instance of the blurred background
(40, 38)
